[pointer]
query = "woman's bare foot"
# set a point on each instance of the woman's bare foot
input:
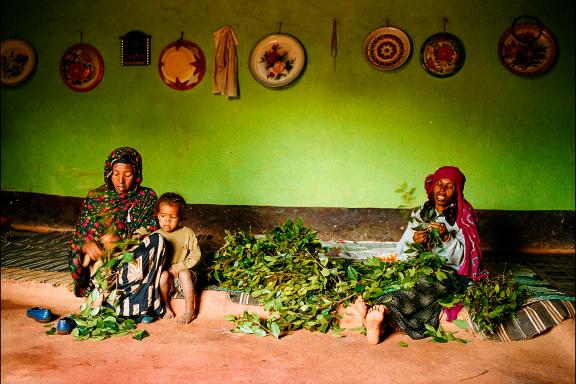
(169, 314)
(361, 307)
(185, 318)
(374, 320)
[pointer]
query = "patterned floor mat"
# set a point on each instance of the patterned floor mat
(30, 256)
(37, 251)
(44, 256)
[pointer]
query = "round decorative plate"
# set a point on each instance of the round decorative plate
(531, 52)
(18, 61)
(277, 60)
(387, 48)
(81, 67)
(182, 65)
(442, 55)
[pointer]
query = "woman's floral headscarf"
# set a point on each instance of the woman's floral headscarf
(466, 220)
(106, 211)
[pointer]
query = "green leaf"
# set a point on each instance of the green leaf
(127, 257)
(245, 328)
(139, 335)
(128, 324)
(336, 333)
(275, 330)
(403, 344)
(95, 294)
(462, 324)
(351, 272)
(441, 276)
(112, 297)
(260, 332)
(431, 329)
(229, 317)
(95, 311)
(90, 324)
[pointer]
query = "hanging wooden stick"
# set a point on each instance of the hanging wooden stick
(81, 36)
(280, 27)
(334, 43)
(445, 20)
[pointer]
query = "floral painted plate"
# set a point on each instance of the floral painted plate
(387, 48)
(81, 67)
(277, 60)
(527, 49)
(182, 65)
(18, 61)
(442, 55)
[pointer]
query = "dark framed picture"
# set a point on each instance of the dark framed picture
(135, 48)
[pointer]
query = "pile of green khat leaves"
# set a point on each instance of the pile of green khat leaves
(288, 271)
(96, 319)
(491, 300)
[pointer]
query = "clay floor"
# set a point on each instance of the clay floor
(206, 352)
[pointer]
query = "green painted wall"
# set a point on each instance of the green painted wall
(346, 137)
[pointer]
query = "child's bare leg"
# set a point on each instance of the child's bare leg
(165, 285)
(187, 284)
(374, 323)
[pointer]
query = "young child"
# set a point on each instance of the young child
(182, 255)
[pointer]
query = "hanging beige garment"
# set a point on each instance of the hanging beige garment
(225, 80)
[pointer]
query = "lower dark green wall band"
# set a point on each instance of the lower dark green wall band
(527, 231)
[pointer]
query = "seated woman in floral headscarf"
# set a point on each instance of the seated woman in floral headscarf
(119, 210)
(454, 219)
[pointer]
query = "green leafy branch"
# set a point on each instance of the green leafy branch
(407, 195)
(251, 323)
(422, 223)
(441, 336)
(301, 288)
(97, 319)
(491, 300)
(289, 272)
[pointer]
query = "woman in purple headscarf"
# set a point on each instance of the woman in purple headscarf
(454, 219)
(119, 210)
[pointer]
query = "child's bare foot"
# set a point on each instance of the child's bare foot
(169, 314)
(374, 320)
(185, 318)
